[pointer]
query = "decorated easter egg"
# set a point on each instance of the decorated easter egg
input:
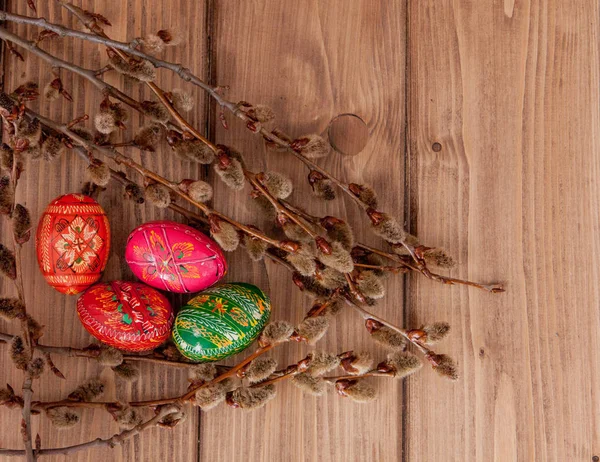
(174, 257)
(221, 321)
(72, 243)
(126, 315)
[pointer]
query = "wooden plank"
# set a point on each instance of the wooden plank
(42, 182)
(311, 61)
(510, 92)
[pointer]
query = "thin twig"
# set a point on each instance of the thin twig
(111, 442)
(93, 354)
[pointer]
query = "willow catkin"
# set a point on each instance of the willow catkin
(276, 332)
(403, 363)
(36, 367)
(250, 398)
(21, 223)
(313, 329)
(10, 308)
(365, 194)
(200, 191)
(210, 396)
(310, 384)
(204, 372)
(360, 392)
(339, 231)
(389, 338)
(127, 371)
(370, 285)
(98, 173)
(8, 265)
(303, 261)
(260, 369)
(105, 122)
(330, 278)
(358, 363)
(148, 137)
(439, 258)
(255, 247)
(18, 353)
(195, 151)
(339, 259)
(127, 417)
(277, 184)
(389, 229)
(263, 114)
(158, 195)
(155, 111)
(444, 365)
(7, 195)
(182, 100)
(109, 357)
(232, 174)
(63, 417)
(312, 146)
(226, 235)
(322, 362)
(436, 332)
(51, 148)
(88, 391)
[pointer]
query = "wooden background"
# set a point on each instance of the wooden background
(509, 92)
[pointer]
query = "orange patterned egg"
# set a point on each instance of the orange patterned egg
(126, 315)
(72, 243)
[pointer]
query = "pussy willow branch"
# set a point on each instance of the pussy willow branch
(368, 315)
(493, 288)
(93, 354)
(182, 72)
(113, 154)
(402, 261)
(119, 158)
(25, 332)
(280, 207)
(99, 442)
(32, 47)
(146, 173)
(178, 400)
(186, 75)
(92, 25)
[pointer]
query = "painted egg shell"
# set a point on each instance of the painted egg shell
(174, 257)
(221, 321)
(126, 315)
(72, 243)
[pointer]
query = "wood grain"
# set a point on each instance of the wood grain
(309, 71)
(510, 91)
(42, 182)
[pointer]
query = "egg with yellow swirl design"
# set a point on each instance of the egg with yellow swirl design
(221, 321)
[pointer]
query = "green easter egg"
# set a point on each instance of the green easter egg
(221, 321)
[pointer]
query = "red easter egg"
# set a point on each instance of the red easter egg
(126, 315)
(72, 243)
(174, 257)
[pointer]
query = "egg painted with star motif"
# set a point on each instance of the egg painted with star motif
(72, 243)
(174, 257)
(126, 315)
(221, 321)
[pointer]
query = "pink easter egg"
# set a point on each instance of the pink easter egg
(174, 257)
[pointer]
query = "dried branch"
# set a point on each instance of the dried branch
(111, 442)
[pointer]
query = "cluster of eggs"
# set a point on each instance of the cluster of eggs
(73, 242)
